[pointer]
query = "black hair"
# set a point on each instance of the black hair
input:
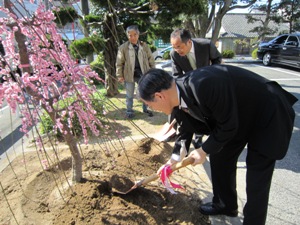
(183, 34)
(155, 80)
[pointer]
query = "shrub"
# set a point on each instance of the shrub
(98, 66)
(153, 48)
(166, 55)
(46, 125)
(228, 54)
(65, 15)
(83, 47)
(254, 54)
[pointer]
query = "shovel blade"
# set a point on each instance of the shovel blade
(165, 132)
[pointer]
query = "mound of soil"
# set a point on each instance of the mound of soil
(49, 197)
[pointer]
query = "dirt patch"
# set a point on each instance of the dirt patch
(38, 196)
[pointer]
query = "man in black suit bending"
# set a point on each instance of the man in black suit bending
(236, 107)
(189, 54)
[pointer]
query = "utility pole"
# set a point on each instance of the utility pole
(85, 11)
(46, 2)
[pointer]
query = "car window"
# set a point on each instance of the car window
(280, 40)
(292, 40)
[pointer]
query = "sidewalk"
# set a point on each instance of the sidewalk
(166, 64)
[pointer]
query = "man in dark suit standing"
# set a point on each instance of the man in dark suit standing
(189, 54)
(238, 108)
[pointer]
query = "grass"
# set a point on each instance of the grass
(140, 124)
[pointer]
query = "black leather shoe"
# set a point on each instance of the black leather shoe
(150, 114)
(215, 209)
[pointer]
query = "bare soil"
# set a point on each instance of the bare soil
(31, 195)
(38, 192)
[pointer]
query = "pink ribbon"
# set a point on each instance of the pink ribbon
(165, 179)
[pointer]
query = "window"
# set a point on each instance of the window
(280, 40)
(292, 41)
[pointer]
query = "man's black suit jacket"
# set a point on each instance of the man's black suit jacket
(232, 104)
(206, 54)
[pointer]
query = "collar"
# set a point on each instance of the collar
(182, 103)
(192, 51)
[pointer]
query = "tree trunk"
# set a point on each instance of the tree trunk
(72, 143)
(67, 134)
(110, 53)
(218, 20)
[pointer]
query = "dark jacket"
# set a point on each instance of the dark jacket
(206, 54)
(235, 104)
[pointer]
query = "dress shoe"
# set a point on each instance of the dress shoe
(171, 138)
(216, 209)
(150, 114)
(129, 115)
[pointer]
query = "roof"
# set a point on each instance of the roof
(235, 25)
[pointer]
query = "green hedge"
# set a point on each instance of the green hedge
(254, 53)
(46, 125)
(228, 54)
(166, 55)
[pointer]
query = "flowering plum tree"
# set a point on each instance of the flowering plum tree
(46, 74)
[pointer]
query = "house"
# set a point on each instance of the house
(235, 32)
(25, 8)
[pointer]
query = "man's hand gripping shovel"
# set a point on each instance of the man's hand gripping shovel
(171, 168)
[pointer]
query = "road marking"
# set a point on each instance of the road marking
(280, 70)
(285, 79)
(5, 107)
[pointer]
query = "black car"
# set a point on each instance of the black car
(284, 49)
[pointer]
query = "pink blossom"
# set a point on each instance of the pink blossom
(44, 78)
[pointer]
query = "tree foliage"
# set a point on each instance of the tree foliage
(289, 12)
(286, 11)
(263, 29)
(64, 15)
(83, 47)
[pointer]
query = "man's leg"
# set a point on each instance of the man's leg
(223, 174)
(129, 86)
(145, 107)
(259, 177)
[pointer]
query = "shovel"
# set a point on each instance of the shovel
(166, 131)
(185, 162)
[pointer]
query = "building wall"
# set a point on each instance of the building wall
(229, 44)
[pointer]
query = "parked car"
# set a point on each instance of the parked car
(284, 49)
(162, 52)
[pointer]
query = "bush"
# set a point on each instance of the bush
(153, 48)
(166, 55)
(83, 47)
(46, 125)
(98, 66)
(228, 54)
(254, 53)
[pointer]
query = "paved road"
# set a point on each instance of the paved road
(11, 138)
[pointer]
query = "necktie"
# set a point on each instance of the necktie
(191, 60)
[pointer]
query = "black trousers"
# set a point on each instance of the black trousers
(198, 136)
(258, 181)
